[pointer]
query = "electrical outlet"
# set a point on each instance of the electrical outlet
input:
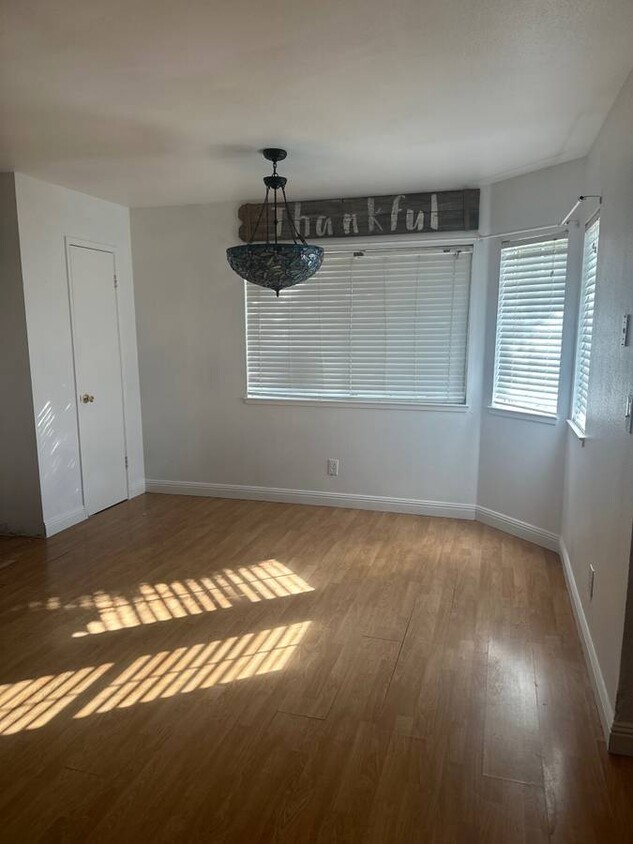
(592, 577)
(332, 467)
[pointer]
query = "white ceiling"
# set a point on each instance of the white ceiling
(151, 102)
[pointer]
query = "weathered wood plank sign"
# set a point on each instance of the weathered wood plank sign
(442, 211)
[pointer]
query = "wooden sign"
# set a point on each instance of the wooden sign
(443, 211)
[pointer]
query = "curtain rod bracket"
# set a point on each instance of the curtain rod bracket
(567, 218)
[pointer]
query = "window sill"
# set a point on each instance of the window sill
(351, 403)
(525, 415)
(580, 434)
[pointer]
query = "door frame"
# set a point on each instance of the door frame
(112, 250)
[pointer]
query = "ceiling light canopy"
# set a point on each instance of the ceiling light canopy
(273, 264)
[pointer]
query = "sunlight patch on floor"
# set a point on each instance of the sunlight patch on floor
(190, 596)
(201, 666)
(29, 704)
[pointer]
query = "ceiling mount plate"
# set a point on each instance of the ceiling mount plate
(273, 154)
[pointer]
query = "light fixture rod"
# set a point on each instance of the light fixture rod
(261, 211)
(275, 221)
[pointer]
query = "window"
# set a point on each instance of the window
(585, 324)
(530, 326)
(381, 324)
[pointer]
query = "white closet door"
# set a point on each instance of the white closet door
(98, 377)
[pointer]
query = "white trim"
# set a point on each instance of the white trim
(621, 738)
(351, 403)
(388, 504)
(563, 233)
(323, 499)
(137, 487)
(557, 227)
(580, 434)
(60, 523)
(581, 325)
(516, 527)
(605, 707)
(69, 242)
(525, 415)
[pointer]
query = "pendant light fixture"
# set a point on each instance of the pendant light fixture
(273, 264)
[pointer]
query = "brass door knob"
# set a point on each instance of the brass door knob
(87, 398)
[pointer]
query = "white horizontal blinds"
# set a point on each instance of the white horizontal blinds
(383, 324)
(530, 325)
(585, 324)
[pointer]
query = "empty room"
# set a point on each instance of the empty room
(316, 422)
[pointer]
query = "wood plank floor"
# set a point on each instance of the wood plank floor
(188, 669)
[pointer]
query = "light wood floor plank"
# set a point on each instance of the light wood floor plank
(188, 669)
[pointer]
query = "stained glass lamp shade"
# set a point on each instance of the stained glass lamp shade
(275, 264)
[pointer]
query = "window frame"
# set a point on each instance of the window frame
(530, 414)
(574, 423)
(454, 241)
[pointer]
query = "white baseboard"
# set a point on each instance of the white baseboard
(516, 527)
(389, 504)
(137, 487)
(324, 499)
(60, 523)
(621, 738)
(605, 707)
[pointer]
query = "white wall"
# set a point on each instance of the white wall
(190, 312)
(46, 214)
(198, 430)
(598, 496)
(522, 461)
(20, 505)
